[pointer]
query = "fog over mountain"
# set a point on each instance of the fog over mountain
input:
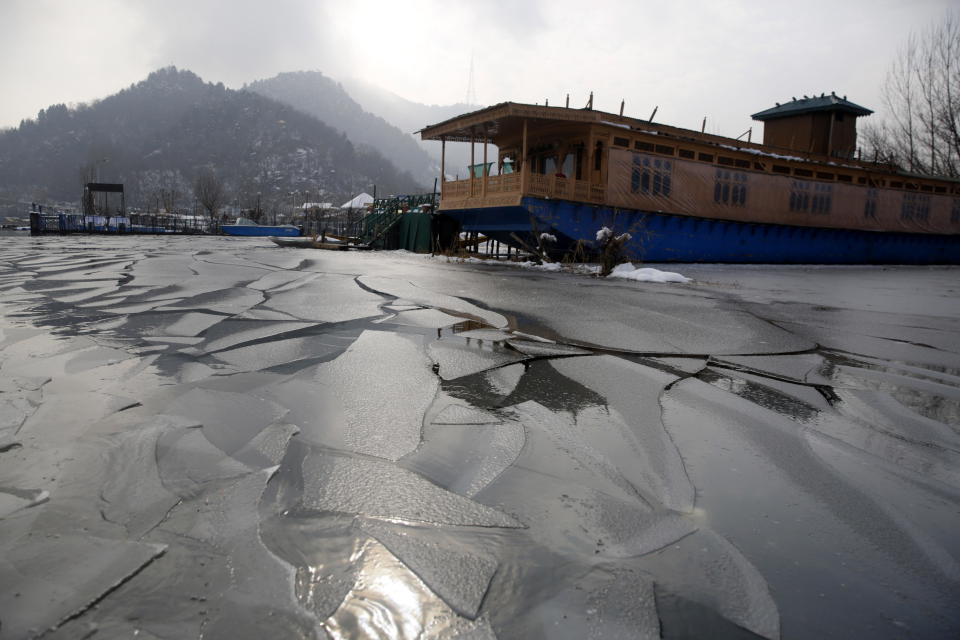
(318, 95)
(158, 133)
(411, 116)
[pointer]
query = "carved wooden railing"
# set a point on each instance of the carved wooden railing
(537, 185)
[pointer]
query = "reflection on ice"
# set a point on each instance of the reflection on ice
(389, 601)
(458, 573)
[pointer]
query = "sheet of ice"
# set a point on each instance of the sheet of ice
(47, 423)
(466, 458)
(464, 414)
(386, 423)
(546, 349)
(260, 583)
(390, 601)
(614, 603)
(229, 420)
(132, 494)
(426, 297)
(457, 359)
(263, 314)
(268, 447)
(329, 298)
(230, 333)
(13, 499)
(491, 335)
(578, 521)
(223, 301)
(685, 365)
(453, 570)
(505, 379)
(430, 318)
(707, 569)
(761, 482)
(556, 444)
(46, 581)
(272, 353)
(632, 435)
(279, 280)
(379, 489)
(191, 324)
(187, 462)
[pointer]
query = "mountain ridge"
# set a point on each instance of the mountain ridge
(158, 133)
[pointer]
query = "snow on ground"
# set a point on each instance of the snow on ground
(645, 274)
(625, 271)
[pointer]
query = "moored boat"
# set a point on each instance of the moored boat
(687, 196)
(247, 227)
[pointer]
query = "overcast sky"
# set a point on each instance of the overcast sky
(723, 59)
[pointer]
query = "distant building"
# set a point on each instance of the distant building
(358, 202)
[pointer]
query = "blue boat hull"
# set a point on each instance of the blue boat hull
(284, 231)
(660, 237)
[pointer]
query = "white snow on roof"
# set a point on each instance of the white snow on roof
(358, 202)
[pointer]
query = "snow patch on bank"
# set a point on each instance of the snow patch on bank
(624, 271)
(645, 274)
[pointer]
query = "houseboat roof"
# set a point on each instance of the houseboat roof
(506, 120)
(804, 105)
(491, 120)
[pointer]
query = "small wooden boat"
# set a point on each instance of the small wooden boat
(318, 242)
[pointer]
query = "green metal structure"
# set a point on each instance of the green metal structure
(401, 222)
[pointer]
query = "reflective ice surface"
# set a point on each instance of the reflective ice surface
(216, 437)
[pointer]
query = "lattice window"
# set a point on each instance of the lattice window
(652, 176)
(730, 188)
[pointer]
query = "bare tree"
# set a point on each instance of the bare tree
(209, 192)
(922, 99)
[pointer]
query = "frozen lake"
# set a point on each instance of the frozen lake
(218, 437)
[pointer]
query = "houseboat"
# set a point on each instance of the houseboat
(552, 177)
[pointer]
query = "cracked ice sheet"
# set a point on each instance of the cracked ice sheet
(466, 458)
(45, 581)
(223, 301)
(229, 420)
(329, 298)
(261, 584)
(457, 359)
(609, 603)
(766, 491)
(572, 498)
(532, 348)
(187, 462)
(187, 324)
(408, 291)
(390, 601)
(430, 318)
(232, 332)
(386, 423)
(706, 569)
(283, 351)
(634, 437)
(455, 570)
(493, 335)
(379, 489)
